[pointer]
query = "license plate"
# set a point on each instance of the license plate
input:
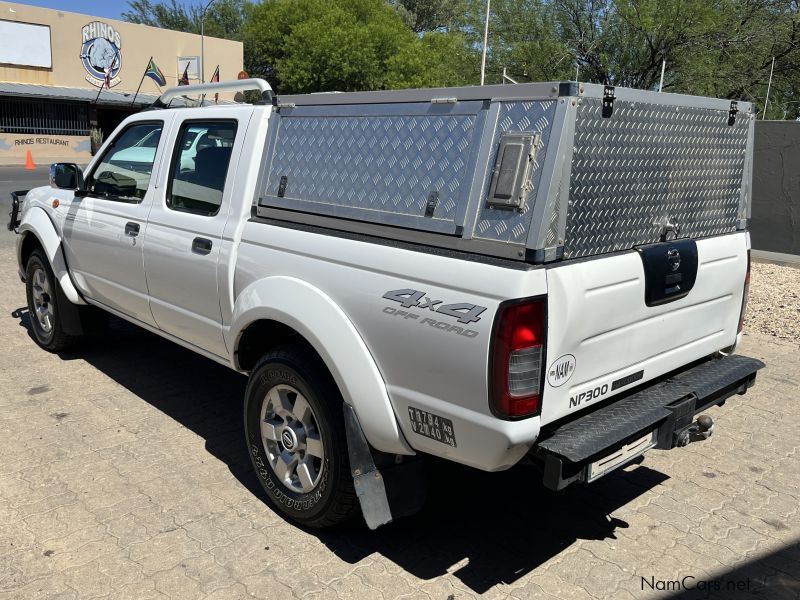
(432, 426)
(620, 457)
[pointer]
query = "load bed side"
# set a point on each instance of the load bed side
(633, 205)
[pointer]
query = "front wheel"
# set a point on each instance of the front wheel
(296, 440)
(41, 289)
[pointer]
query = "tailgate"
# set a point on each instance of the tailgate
(603, 339)
(654, 245)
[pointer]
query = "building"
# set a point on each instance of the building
(54, 63)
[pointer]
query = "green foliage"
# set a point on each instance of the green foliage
(440, 60)
(224, 18)
(431, 15)
(347, 45)
(169, 16)
(718, 48)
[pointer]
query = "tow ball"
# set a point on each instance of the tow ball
(700, 430)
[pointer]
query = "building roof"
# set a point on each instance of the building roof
(107, 97)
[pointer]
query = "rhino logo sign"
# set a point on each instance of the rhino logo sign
(100, 51)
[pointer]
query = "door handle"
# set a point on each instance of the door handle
(131, 229)
(201, 245)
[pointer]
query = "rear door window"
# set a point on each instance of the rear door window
(200, 166)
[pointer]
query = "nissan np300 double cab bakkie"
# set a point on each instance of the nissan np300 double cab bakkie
(549, 272)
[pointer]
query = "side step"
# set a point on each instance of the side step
(668, 406)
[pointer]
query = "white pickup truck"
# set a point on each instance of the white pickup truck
(549, 273)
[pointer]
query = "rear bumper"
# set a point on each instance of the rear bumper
(666, 408)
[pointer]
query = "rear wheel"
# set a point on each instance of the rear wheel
(295, 435)
(42, 293)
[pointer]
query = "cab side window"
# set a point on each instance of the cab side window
(200, 166)
(124, 171)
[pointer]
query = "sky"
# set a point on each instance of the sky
(111, 9)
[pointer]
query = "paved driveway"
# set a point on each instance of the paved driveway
(123, 474)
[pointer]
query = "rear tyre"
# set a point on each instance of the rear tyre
(41, 289)
(295, 436)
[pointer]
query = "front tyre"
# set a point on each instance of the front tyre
(295, 435)
(41, 289)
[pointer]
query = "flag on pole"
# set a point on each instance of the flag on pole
(184, 80)
(215, 79)
(107, 78)
(154, 73)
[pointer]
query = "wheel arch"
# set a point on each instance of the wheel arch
(37, 230)
(276, 309)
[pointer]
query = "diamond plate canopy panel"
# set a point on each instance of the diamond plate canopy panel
(648, 162)
(383, 165)
(551, 239)
(506, 225)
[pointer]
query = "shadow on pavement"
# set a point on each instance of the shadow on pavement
(484, 528)
(773, 576)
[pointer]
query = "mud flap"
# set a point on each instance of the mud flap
(69, 313)
(394, 490)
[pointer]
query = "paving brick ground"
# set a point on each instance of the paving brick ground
(123, 474)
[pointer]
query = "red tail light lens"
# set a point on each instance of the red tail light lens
(517, 355)
(744, 296)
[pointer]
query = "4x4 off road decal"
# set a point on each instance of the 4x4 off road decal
(462, 312)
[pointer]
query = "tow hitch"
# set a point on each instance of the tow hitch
(680, 429)
(696, 432)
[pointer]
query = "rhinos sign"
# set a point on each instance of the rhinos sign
(101, 51)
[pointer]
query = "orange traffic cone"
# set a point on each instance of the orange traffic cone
(29, 164)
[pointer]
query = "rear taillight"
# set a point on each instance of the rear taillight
(515, 368)
(745, 294)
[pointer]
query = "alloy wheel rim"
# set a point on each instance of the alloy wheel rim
(291, 437)
(42, 300)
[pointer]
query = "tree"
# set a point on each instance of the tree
(718, 48)
(440, 59)
(304, 46)
(524, 39)
(168, 16)
(224, 18)
(734, 58)
(431, 15)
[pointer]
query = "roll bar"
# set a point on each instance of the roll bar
(239, 85)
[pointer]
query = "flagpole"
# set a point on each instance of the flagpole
(485, 41)
(769, 85)
(96, 98)
(141, 81)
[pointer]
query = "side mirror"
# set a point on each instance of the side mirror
(66, 176)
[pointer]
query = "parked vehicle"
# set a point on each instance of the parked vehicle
(548, 273)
